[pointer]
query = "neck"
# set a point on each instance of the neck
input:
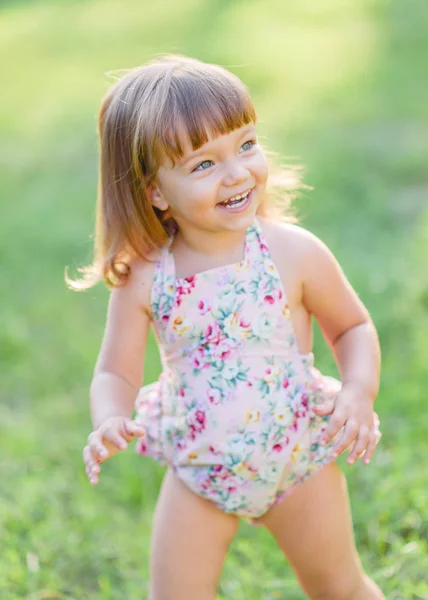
(210, 243)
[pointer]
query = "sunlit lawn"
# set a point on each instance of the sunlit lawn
(340, 87)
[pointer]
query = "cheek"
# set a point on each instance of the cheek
(202, 192)
(189, 196)
(260, 169)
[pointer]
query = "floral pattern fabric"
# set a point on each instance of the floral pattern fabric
(231, 413)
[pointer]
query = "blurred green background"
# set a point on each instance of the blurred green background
(340, 87)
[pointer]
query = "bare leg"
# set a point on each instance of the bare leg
(313, 526)
(190, 539)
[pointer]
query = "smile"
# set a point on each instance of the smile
(238, 202)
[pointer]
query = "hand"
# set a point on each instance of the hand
(106, 441)
(352, 409)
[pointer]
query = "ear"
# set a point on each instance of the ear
(155, 196)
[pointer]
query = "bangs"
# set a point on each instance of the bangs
(199, 108)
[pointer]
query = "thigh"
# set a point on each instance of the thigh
(313, 526)
(190, 540)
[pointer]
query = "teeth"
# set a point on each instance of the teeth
(237, 200)
(236, 203)
(239, 196)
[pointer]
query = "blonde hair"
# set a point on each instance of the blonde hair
(138, 123)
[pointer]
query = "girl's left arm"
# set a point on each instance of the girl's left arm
(350, 333)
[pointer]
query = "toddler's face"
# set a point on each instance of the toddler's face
(217, 187)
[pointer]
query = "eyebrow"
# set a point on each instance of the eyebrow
(204, 149)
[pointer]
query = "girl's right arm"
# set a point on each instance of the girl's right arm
(118, 372)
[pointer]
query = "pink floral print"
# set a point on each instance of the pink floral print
(231, 413)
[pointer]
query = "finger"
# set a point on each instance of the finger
(96, 446)
(360, 444)
(116, 439)
(376, 422)
(94, 478)
(91, 467)
(86, 454)
(93, 473)
(350, 433)
(88, 457)
(336, 422)
(133, 429)
(371, 446)
(325, 408)
(378, 435)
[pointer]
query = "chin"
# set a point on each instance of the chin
(236, 221)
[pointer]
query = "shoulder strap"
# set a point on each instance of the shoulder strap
(256, 245)
(163, 290)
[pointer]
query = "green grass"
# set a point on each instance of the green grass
(340, 87)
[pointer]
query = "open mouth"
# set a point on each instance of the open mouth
(238, 202)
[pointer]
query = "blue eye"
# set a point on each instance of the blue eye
(248, 145)
(203, 166)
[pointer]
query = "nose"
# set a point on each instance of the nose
(234, 173)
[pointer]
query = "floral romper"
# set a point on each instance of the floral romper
(231, 413)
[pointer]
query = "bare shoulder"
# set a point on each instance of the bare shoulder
(314, 282)
(128, 319)
(294, 242)
(140, 281)
(302, 259)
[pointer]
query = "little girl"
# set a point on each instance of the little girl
(248, 428)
